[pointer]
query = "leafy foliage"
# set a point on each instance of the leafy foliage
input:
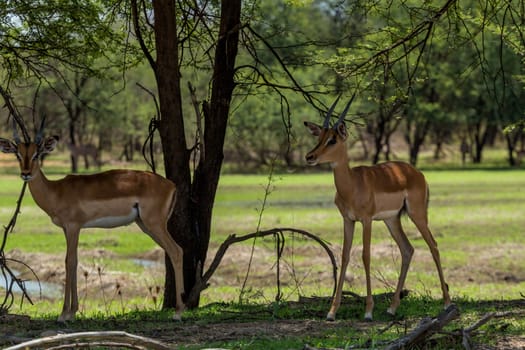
(294, 55)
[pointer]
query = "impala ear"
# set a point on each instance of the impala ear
(341, 130)
(48, 145)
(313, 128)
(7, 146)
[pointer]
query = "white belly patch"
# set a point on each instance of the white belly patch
(385, 214)
(113, 221)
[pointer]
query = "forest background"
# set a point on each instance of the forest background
(461, 81)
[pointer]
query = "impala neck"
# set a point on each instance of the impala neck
(342, 172)
(42, 190)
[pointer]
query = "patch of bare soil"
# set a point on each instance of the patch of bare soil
(228, 331)
(16, 329)
(499, 263)
(93, 279)
(511, 343)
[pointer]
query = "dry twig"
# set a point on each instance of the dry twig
(466, 333)
(9, 276)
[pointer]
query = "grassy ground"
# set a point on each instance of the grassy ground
(475, 215)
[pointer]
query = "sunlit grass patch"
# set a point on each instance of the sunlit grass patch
(476, 217)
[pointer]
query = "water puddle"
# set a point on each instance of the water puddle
(145, 262)
(51, 290)
(33, 288)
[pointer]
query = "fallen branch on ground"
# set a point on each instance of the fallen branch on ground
(466, 333)
(426, 329)
(90, 339)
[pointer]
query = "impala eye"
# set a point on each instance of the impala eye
(332, 141)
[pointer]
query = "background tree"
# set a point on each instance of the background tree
(45, 47)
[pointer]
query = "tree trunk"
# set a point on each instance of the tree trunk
(438, 149)
(512, 141)
(362, 139)
(416, 140)
(215, 121)
(191, 220)
(378, 131)
(74, 160)
(480, 140)
(173, 138)
(377, 151)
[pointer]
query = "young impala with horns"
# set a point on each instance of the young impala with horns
(367, 193)
(106, 200)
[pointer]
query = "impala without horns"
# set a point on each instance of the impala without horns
(105, 200)
(368, 193)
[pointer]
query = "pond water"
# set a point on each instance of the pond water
(33, 288)
(145, 262)
(50, 290)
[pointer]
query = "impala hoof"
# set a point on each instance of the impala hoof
(330, 317)
(368, 316)
(391, 311)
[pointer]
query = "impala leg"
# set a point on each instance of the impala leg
(406, 250)
(421, 223)
(70, 306)
(345, 258)
(367, 236)
(175, 253)
(162, 237)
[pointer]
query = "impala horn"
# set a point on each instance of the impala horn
(40, 133)
(326, 123)
(343, 115)
(16, 136)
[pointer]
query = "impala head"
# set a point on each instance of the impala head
(28, 153)
(331, 140)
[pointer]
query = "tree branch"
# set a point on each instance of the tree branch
(202, 283)
(14, 113)
(426, 25)
(6, 304)
(426, 328)
(138, 33)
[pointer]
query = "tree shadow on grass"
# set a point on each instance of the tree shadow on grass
(302, 320)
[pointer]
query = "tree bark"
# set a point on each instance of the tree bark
(511, 141)
(415, 135)
(171, 129)
(206, 178)
(190, 223)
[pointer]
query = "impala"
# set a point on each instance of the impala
(87, 150)
(105, 200)
(368, 193)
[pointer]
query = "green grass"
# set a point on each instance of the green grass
(475, 215)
